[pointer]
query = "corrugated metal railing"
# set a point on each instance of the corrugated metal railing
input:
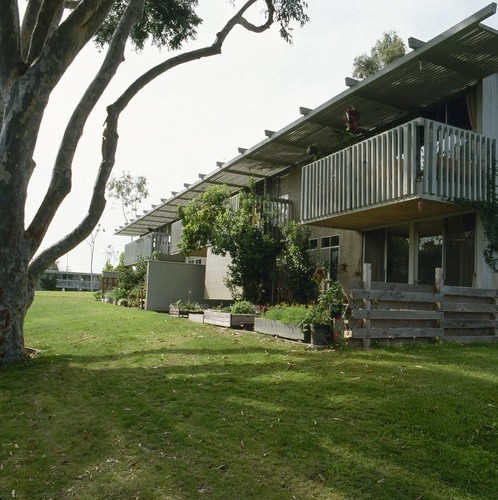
(419, 158)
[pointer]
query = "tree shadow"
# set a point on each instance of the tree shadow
(250, 421)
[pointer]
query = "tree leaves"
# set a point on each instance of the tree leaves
(386, 50)
(166, 23)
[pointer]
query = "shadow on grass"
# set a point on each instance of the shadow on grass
(249, 421)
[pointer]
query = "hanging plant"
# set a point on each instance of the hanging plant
(351, 119)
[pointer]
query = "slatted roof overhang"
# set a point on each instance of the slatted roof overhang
(447, 65)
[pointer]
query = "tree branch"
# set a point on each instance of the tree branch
(60, 183)
(110, 138)
(28, 25)
(9, 41)
(211, 50)
(97, 206)
(48, 18)
(66, 41)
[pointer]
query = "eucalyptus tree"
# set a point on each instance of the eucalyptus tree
(35, 53)
(385, 51)
(130, 191)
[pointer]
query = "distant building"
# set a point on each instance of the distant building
(69, 281)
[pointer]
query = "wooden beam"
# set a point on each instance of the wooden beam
(392, 333)
(415, 43)
(351, 82)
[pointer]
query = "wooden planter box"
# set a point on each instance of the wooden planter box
(229, 320)
(196, 317)
(182, 313)
(284, 330)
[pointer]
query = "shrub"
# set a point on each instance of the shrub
(243, 307)
(290, 314)
(187, 305)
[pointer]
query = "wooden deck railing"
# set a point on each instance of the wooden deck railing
(419, 158)
(395, 311)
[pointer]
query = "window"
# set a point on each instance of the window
(330, 241)
(430, 250)
(313, 244)
(329, 252)
(460, 250)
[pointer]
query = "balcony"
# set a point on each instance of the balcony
(279, 210)
(406, 173)
(152, 244)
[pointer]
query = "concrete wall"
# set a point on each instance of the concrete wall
(168, 282)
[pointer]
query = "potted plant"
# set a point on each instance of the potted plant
(320, 316)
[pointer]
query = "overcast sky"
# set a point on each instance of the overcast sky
(200, 113)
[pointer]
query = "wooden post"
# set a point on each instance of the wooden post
(367, 285)
(439, 282)
(438, 279)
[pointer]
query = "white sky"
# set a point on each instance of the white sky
(200, 113)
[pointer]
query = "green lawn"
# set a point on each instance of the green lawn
(130, 404)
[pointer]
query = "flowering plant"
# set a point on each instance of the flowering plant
(351, 118)
(329, 305)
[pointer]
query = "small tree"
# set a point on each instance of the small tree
(54, 266)
(296, 267)
(130, 191)
(201, 216)
(389, 48)
(241, 230)
(111, 257)
(131, 279)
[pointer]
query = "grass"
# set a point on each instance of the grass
(131, 404)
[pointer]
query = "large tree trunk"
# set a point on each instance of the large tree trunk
(19, 126)
(14, 251)
(15, 300)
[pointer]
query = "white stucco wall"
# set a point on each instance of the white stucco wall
(216, 270)
(488, 113)
(488, 126)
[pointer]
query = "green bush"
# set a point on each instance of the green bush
(117, 294)
(243, 307)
